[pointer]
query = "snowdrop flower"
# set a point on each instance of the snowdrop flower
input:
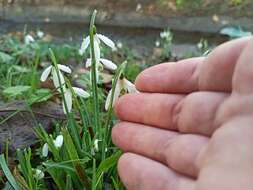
(45, 150)
(122, 84)
(107, 63)
(28, 39)
(39, 174)
(58, 142)
(138, 7)
(157, 43)
(68, 97)
(119, 45)
(97, 38)
(40, 34)
(51, 69)
(96, 145)
(165, 34)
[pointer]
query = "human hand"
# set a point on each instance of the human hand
(191, 127)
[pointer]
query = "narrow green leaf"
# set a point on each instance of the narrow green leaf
(108, 163)
(16, 90)
(8, 173)
(5, 58)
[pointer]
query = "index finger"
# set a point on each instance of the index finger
(213, 73)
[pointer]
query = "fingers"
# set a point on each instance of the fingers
(213, 73)
(216, 73)
(140, 173)
(194, 113)
(180, 77)
(150, 109)
(179, 152)
(229, 152)
(244, 71)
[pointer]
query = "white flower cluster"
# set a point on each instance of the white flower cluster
(100, 62)
(165, 34)
(122, 84)
(59, 82)
(28, 39)
(58, 142)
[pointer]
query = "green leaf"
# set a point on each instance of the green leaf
(16, 90)
(40, 95)
(21, 69)
(8, 173)
(68, 167)
(108, 163)
(235, 32)
(5, 58)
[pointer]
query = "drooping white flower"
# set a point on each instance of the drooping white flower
(107, 63)
(119, 45)
(165, 34)
(28, 39)
(40, 34)
(138, 7)
(58, 142)
(39, 174)
(157, 43)
(122, 84)
(97, 39)
(45, 150)
(96, 148)
(68, 97)
(52, 70)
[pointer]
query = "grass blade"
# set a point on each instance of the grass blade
(8, 173)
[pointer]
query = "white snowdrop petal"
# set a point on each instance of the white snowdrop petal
(96, 51)
(117, 91)
(68, 99)
(29, 39)
(96, 145)
(80, 92)
(58, 141)
(56, 80)
(40, 34)
(108, 99)
(39, 174)
(64, 68)
(45, 73)
(130, 87)
(45, 150)
(106, 40)
(108, 64)
(84, 45)
(88, 63)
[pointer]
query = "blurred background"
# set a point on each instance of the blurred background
(194, 24)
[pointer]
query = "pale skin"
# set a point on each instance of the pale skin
(191, 125)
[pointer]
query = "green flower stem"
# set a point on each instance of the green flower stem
(110, 110)
(94, 75)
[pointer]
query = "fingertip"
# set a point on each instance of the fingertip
(114, 134)
(125, 105)
(119, 106)
(144, 81)
(171, 77)
(117, 132)
(125, 163)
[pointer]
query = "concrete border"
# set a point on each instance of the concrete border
(63, 13)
